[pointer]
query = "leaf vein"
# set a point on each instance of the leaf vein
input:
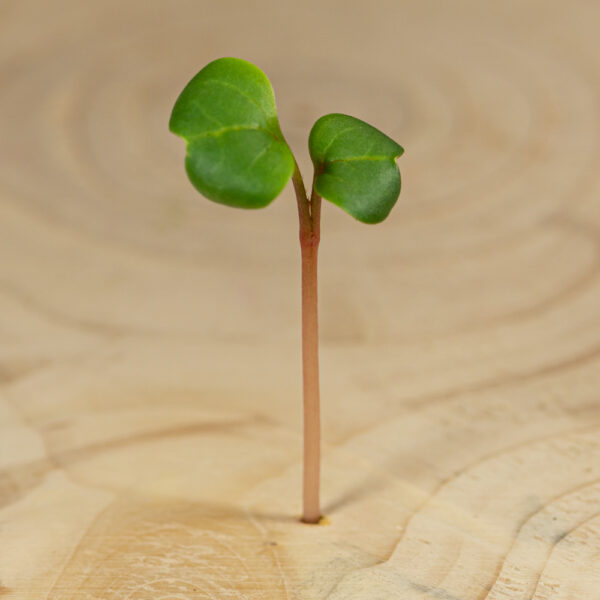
(241, 93)
(201, 108)
(227, 129)
(359, 158)
(336, 136)
(260, 155)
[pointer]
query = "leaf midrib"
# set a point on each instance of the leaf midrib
(359, 158)
(227, 129)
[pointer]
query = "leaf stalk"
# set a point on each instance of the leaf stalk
(309, 212)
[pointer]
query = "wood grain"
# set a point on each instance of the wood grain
(149, 340)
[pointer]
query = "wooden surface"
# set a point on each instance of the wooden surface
(149, 340)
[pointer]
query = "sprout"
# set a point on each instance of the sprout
(237, 155)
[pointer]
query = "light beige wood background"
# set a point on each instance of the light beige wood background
(150, 397)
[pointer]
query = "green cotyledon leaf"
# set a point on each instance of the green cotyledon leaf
(236, 154)
(355, 166)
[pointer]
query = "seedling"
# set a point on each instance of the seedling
(237, 155)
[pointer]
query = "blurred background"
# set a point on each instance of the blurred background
(127, 299)
(104, 237)
(495, 105)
